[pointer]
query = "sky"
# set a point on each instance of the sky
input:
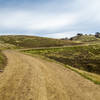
(49, 18)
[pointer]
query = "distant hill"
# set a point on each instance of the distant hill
(34, 41)
(85, 38)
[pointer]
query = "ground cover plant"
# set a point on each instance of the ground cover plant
(22, 41)
(82, 57)
(3, 61)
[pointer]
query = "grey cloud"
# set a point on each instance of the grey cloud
(50, 16)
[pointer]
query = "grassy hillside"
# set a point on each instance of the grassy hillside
(33, 41)
(82, 57)
(6, 45)
(86, 38)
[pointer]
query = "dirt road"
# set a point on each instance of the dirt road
(30, 78)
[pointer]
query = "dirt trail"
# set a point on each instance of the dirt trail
(30, 78)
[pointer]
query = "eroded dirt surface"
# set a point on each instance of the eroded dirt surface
(32, 78)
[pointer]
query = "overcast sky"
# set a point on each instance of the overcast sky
(50, 18)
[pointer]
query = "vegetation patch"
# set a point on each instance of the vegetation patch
(6, 46)
(87, 38)
(82, 57)
(3, 61)
(22, 41)
(95, 78)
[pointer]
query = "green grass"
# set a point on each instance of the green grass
(81, 57)
(6, 45)
(85, 60)
(22, 41)
(95, 78)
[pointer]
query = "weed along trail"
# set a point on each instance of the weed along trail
(32, 78)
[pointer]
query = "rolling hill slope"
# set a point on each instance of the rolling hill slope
(34, 41)
(82, 57)
(86, 38)
(33, 78)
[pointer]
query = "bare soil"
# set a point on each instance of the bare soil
(32, 78)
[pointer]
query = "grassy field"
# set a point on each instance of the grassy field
(6, 46)
(83, 59)
(22, 41)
